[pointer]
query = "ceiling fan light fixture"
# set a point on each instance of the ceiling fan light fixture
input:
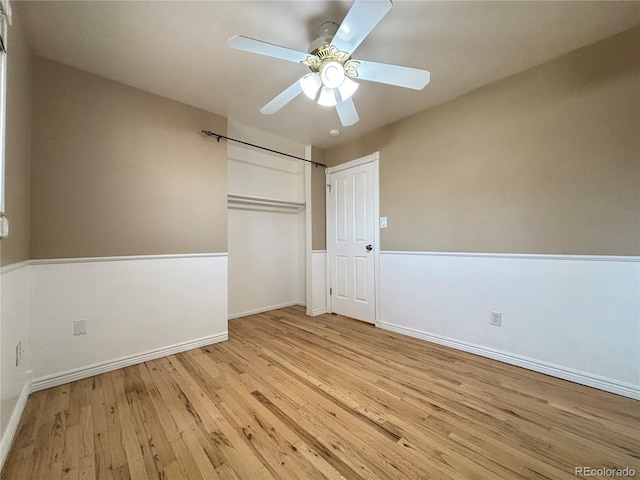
(332, 68)
(347, 89)
(327, 97)
(332, 74)
(310, 85)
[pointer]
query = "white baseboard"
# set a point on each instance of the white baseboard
(264, 309)
(57, 379)
(525, 256)
(320, 311)
(595, 381)
(14, 421)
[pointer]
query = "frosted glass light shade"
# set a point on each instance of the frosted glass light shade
(332, 74)
(310, 85)
(327, 97)
(347, 88)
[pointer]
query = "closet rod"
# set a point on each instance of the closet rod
(209, 133)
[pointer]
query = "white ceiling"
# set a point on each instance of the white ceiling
(179, 50)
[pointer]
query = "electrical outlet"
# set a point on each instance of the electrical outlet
(496, 318)
(80, 327)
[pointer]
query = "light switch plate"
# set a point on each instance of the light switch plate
(383, 222)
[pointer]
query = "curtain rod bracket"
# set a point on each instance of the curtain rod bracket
(217, 136)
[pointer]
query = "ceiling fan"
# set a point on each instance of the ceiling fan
(331, 80)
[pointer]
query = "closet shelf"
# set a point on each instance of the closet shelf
(245, 202)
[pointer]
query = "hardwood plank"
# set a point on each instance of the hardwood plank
(294, 397)
(268, 438)
(114, 430)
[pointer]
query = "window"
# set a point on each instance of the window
(5, 20)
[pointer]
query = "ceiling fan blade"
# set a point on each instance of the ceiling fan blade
(363, 16)
(407, 77)
(347, 112)
(269, 49)
(281, 100)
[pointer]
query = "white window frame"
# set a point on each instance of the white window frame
(5, 21)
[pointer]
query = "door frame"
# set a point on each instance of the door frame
(373, 158)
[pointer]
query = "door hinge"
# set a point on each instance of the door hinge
(330, 291)
(329, 187)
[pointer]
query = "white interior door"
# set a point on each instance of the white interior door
(352, 245)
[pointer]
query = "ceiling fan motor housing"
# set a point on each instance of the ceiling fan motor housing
(326, 33)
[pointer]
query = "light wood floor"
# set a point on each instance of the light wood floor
(290, 397)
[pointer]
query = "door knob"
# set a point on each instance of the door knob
(369, 248)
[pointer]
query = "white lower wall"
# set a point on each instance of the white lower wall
(136, 308)
(576, 318)
(319, 282)
(14, 380)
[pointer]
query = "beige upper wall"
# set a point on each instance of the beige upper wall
(546, 161)
(15, 248)
(118, 171)
(318, 201)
